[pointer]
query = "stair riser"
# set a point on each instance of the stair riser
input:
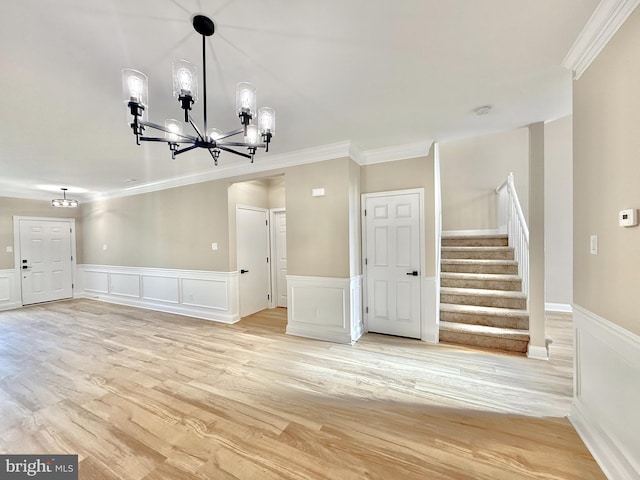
(478, 254)
(487, 269)
(484, 301)
(497, 343)
(508, 285)
(471, 242)
(519, 323)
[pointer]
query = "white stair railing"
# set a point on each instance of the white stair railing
(511, 221)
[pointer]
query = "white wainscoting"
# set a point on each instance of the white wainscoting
(607, 393)
(430, 310)
(10, 295)
(325, 308)
(194, 293)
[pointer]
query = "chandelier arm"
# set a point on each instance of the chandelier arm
(230, 134)
(242, 144)
(186, 149)
(231, 150)
(166, 130)
(154, 139)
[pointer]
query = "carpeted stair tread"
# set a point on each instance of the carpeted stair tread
(472, 240)
(482, 292)
(480, 276)
(459, 248)
(483, 330)
(477, 261)
(503, 312)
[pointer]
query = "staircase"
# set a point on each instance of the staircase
(481, 299)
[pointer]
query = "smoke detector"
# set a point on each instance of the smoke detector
(482, 110)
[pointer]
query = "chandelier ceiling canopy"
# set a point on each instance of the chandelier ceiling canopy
(185, 89)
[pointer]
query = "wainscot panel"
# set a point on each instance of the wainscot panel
(607, 393)
(324, 308)
(124, 284)
(9, 289)
(194, 293)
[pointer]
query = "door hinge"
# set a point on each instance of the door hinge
(73, 286)
(267, 259)
(366, 310)
(365, 212)
(72, 258)
(268, 297)
(266, 222)
(366, 261)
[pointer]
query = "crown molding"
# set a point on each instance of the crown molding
(274, 163)
(396, 152)
(264, 163)
(607, 18)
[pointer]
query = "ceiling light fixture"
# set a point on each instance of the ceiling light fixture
(64, 202)
(185, 89)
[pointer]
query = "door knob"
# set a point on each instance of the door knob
(244, 271)
(413, 274)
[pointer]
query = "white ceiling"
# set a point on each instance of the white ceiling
(378, 73)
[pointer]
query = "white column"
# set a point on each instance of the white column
(537, 343)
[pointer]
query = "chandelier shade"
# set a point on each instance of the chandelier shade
(257, 124)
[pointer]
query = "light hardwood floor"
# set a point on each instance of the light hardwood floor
(144, 395)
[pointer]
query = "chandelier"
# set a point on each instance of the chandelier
(185, 89)
(64, 202)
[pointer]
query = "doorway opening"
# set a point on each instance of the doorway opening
(257, 230)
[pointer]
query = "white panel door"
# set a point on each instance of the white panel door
(45, 252)
(253, 258)
(280, 258)
(392, 264)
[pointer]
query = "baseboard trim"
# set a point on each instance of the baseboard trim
(609, 458)
(538, 353)
(558, 307)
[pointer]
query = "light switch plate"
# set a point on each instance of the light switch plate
(214, 246)
(9, 249)
(594, 244)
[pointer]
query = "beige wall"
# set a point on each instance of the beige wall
(606, 128)
(318, 227)
(470, 171)
(401, 175)
(558, 211)
(277, 192)
(167, 229)
(10, 207)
